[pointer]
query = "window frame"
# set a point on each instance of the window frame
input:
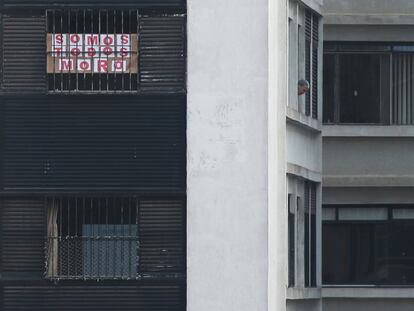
(388, 224)
(387, 49)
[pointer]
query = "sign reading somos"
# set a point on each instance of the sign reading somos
(92, 53)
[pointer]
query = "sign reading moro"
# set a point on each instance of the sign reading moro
(92, 53)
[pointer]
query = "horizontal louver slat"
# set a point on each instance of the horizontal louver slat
(24, 47)
(162, 236)
(94, 143)
(95, 3)
(162, 53)
(22, 231)
(88, 298)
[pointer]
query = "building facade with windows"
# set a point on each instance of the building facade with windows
(154, 160)
(254, 155)
(93, 155)
(367, 261)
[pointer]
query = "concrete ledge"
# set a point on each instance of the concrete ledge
(314, 5)
(299, 293)
(295, 117)
(303, 172)
(361, 292)
(368, 181)
(368, 19)
(368, 131)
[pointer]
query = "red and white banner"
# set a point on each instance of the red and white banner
(92, 53)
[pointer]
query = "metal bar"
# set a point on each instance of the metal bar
(68, 236)
(99, 236)
(83, 224)
(53, 241)
(138, 54)
(68, 81)
(91, 238)
(60, 235)
(77, 55)
(107, 240)
(76, 236)
(84, 47)
(114, 228)
(107, 56)
(122, 238)
(130, 242)
(122, 57)
(116, 47)
(92, 59)
(138, 242)
(99, 50)
(61, 54)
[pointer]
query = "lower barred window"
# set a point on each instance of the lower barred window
(95, 238)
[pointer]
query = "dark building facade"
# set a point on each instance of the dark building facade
(93, 155)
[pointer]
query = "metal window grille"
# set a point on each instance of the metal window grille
(311, 62)
(310, 233)
(92, 238)
(92, 61)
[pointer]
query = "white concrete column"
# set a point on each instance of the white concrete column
(227, 162)
(277, 188)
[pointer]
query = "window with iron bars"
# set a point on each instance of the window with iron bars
(92, 238)
(92, 50)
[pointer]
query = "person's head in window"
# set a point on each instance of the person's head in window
(303, 87)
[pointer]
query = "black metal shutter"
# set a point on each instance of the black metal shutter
(315, 49)
(24, 47)
(306, 232)
(308, 36)
(291, 243)
(23, 229)
(162, 53)
(24, 4)
(313, 234)
(162, 236)
(93, 143)
(81, 297)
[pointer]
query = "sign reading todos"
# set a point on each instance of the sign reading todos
(92, 53)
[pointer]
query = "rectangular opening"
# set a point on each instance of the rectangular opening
(94, 237)
(369, 246)
(92, 50)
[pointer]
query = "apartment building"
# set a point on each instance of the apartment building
(93, 162)
(304, 155)
(368, 116)
(254, 152)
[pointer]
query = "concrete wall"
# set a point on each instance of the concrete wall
(368, 7)
(368, 161)
(367, 304)
(233, 153)
(304, 147)
(302, 305)
(367, 195)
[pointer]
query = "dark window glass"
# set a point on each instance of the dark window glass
(306, 234)
(328, 88)
(359, 88)
(368, 252)
(310, 234)
(291, 241)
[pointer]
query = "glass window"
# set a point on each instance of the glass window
(94, 238)
(369, 250)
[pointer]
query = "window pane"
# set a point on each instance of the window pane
(328, 88)
(107, 252)
(328, 214)
(403, 213)
(359, 88)
(366, 213)
(369, 251)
